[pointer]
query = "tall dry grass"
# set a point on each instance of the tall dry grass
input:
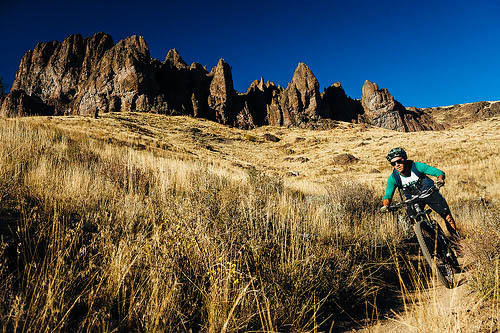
(110, 238)
(102, 237)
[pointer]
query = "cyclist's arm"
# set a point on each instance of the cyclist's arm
(389, 192)
(428, 170)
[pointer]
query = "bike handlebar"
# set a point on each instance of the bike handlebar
(416, 197)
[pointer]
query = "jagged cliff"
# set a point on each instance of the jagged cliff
(91, 75)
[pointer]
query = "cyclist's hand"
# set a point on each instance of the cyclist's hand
(384, 209)
(440, 183)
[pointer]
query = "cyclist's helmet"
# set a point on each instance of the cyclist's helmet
(396, 152)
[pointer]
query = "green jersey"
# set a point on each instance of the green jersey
(410, 180)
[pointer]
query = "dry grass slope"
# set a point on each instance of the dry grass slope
(143, 222)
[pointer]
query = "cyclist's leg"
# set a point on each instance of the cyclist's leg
(438, 203)
(450, 222)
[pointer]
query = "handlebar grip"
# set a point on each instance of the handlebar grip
(393, 208)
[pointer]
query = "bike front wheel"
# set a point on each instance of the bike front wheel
(433, 254)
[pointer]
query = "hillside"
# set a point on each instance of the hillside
(138, 221)
(467, 113)
(312, 156)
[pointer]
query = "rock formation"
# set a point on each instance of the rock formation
(55, 71)
(382, 110)
(174, 59)
(89, 76)
(338, 106)
(258, 97)
(299, 103)
(222, 94)
(123, 76)
(463, 113)
(18, 103)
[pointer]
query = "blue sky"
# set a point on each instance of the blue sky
(427, 53)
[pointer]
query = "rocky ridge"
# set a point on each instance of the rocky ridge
(91, 75)
(459, 114)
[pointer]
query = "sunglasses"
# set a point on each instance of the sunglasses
(398, 162)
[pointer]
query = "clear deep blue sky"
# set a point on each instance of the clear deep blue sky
(427, 53)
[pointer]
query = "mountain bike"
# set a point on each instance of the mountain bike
(435, 246)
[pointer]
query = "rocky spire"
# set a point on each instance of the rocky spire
(174, 59)
(257, 99)
(221, 93)
(95, 47)
(300, 102)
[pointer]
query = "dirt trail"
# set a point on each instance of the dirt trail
(424, 309)
(439, 309)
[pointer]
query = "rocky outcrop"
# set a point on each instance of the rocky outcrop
(124, 76)
(258, 98)
(85, 75)
(18, 103)
(299, 103)
(382, 110)
(183, 90)
(460, 114)
(337, 105)
(54, 71)
(93, 75)
(174, 59)
(222, 94)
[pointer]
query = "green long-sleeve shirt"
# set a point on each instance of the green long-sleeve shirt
(422, 167)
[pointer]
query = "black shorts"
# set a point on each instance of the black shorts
(437, 202)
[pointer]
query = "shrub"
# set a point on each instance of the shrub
(351, 201)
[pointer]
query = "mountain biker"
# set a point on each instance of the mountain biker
(411, 178)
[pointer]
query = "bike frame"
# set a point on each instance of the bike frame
(440, 250)
(423, 216)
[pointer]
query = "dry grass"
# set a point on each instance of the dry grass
(437, 310)
(143, 222)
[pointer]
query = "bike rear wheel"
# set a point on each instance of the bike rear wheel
(440, 265)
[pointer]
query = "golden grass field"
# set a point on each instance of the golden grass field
(474, 147)
(143, 222)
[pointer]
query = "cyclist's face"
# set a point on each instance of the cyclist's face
(398, 163)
